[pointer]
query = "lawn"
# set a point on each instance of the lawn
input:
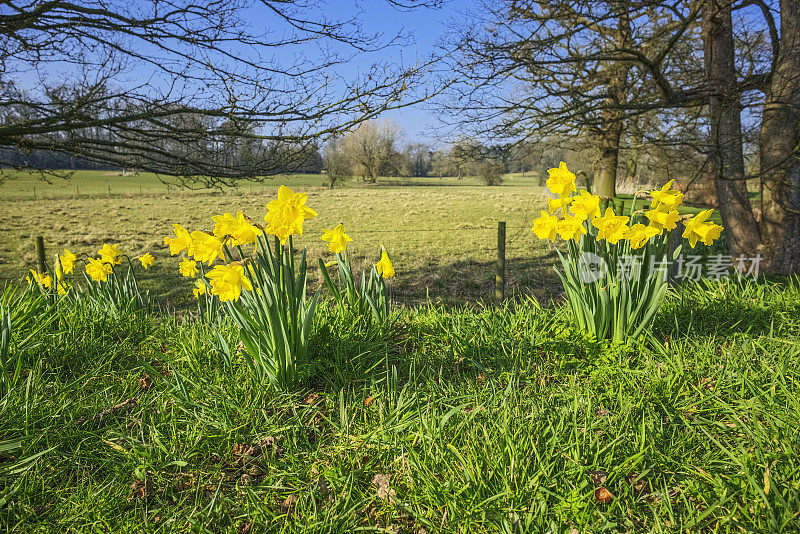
(452, 420)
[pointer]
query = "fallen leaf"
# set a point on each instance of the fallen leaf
(381, 483)
(598, 477)
(145, 382)
(141, 490)
(603, 496)
(245, 527)
(368, 401)
(310, 399)
(640, 485)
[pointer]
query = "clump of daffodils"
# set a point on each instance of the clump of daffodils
(227, 274)
(97, 268)
(573, 214)
(615, 290)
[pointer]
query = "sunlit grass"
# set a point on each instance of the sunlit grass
(479, 420)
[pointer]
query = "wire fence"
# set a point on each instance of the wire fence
(45, 249)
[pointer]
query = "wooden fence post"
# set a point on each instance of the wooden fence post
(40, 253)
(500, 277)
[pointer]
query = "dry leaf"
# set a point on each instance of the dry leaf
(310, 399)
(141, 490)
(381, 483)
(368, 401)
(245, 527)
(145, 382)
(598, 477)
(603, 496)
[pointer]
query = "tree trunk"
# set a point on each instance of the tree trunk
(604, 182)
(726, 156)
(780, 150)
(612, 118)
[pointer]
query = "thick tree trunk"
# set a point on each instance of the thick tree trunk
(612, 118)
(780, 150)
(725, 150)
(606, 162)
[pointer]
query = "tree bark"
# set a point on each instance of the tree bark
(726, 155)
(780, 150)
(612, 118)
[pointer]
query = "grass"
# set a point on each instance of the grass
(457, 419)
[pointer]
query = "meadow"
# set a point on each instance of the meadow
(442, 233)
(452, 416)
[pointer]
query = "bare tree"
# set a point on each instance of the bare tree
(163, 86)
(371, 148)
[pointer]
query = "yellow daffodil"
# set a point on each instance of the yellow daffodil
(98, 270)
(331, 264)
(385, 267)
(44, 280)
(227, 281)
(663, 220)
(287, 213)
(667, 199)
(545, 226)
(205, 247)
(555, 204)
(199, 288)
(570, 228)
(62, 288)
(110, 254)
(181, 241)
(699, 228)
(638, 234)
(337, 239)
(585, 206)
(188, 267)
(67, 260)
(147, 260)
(611, 227)
(238, 228)
(561, 181)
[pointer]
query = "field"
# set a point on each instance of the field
(452, 417)
(441, 232)
(442, 237)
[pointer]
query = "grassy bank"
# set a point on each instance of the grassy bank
(453, 420)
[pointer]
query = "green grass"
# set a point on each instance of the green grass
(482, 420)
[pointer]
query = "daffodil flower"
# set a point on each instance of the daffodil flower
(663, 220)
(227, 281)
(187, 267)
(67, 261)
(182, 240)
(570, 228)
(611, 227)
(384, 266)
(44, 280)
(337, 239)
(638, 234)
(667, 199)
(110, 254)
(545, 226)
(147, 260)
(287, 213)
(98, 270)
(561, 181)
(585, 206)
(698, 228)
